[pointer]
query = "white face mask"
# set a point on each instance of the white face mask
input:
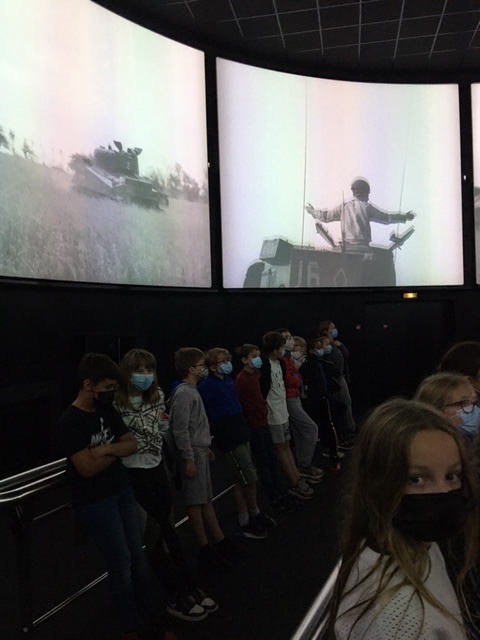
(289, 344)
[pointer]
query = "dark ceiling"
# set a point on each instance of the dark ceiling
(438, 38)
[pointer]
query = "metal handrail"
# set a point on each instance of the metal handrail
(313, 624)
(29, 483)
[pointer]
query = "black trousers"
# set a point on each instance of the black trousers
(152, 492)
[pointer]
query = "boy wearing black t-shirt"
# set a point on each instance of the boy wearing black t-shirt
(93, 438)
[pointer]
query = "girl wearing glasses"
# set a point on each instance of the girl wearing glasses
(455, 396)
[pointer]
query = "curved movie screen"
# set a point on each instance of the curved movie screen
(476, 169)
(103, 153)
(328, 183)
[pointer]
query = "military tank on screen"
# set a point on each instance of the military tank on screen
(283, 264)
(114, 173)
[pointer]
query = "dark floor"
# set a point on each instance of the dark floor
(262, 597)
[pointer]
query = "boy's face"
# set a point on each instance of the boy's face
(249, 358)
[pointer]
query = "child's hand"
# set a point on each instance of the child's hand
(190, 469)
(210, 455)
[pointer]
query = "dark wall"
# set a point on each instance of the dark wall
(46, 329)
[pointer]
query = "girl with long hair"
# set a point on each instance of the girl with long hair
(412, 487)
(141, 403)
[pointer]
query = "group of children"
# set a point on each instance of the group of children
(114, 433)
(414, 487)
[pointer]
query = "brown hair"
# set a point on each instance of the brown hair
(185, 358)
(130, 362)
(245, 350)
(380, 474)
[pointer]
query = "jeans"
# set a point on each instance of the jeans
(305, 432)
(263, 451)
(114, 526)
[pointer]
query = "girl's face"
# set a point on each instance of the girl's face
(143, 369)
(457, 400)
(435, 465)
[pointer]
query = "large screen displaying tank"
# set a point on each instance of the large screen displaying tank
(476, 169)
(103, 154)
(329, 183)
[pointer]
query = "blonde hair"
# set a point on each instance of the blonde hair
(438, 388)
(212, 355)
(300, 341)
(380, 474)
(130, 362)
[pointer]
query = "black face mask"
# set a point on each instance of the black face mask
(103, 398)
(432, 517)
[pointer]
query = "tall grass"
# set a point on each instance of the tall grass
(49, 231)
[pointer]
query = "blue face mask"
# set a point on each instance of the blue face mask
(329, 349)
(470, 422)
(225, 368)
(320, 353)
(142, 381)
(256, 363)
(334, 334)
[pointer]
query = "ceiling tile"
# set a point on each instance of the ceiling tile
(299, 21)
(340, 37)
(339, 16)
(249, 8)
(460, 22)
(303, 41)
(419, 8)
(260, 27)
(377, 32)
(294, 5)
(381, 11)
(414, 46)
(418, 27)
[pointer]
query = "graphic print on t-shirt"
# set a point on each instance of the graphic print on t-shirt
(104, 436)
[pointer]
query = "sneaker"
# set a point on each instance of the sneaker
(186, 608)
(340, 455)
(311, 474)
(230, 550)
(252, 530)
(301, 490)
(204, 601)
(264, 521)
(208, 558)
(335, 467)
